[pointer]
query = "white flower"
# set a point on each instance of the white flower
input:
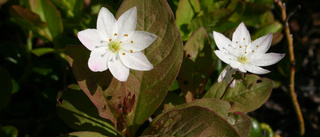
(242, 54)
(227, 75)
(115, 45)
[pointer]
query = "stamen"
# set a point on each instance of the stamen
(244, 38)
(252, 50)
(131, 41)
(115, 34)
(115, 48)
(131, 51)
(240, 46)
(237, 42)
(246, 45)
(245, 52)
(110, 40)
(123, 53)
(257, 45)
(126, 35)
(120, 41)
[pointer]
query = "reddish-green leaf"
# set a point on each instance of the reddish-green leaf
(241, 122)
(197, 63)
(191, 121)
(165, 54)
(83, 134)
(246, 96)
(78, 112)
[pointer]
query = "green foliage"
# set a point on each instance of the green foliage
(246, 96)
(181, 91)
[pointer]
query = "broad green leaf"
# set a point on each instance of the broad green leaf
(255, 130)
(42, 51)
(210, 19)
(218, 106)
(29, 20)
(78, 112)
(5, 88)
(191, 121)
(165, 54)
(90, 81)
(241, 122)
(246, 96)
(83, 134)
(72, 8)
(49, 14)
(197, 63)
(268, 28)
(187, 10)
(8, 131)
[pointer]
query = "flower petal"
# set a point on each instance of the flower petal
(267, 59)
(255, 69)
(233, 84)
(117, 69)
(226, 58)
(106, 23)
(237, 66)
(90, 38)
(127, 23)
(241, 37)
(138, 41)
(221, 40)
(136, 60)
(262, 44)
(222, 75)
(98, 60)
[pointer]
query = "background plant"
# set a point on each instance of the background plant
(39, 45)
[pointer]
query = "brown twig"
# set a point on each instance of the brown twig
(292, 66)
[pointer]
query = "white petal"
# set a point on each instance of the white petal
(263, 44)
(238, 66)
(255, 69)
(127, 23)
(222, 75)
(90, 38)
(136, 60)
(267, 59)
(233, 84)
(98, 60)
(241, 37)
(138, 41)
(221, 40)
(226, 58)
(117, 69)
(106, 22)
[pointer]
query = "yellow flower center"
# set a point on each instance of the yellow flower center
(114, 46)
(243, 59)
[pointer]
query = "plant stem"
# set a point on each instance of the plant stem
(292, 67)
(225, 91)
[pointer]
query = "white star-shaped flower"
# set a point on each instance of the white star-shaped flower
(115, 45)
(242, 54)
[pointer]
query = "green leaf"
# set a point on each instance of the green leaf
(210, 19)
(187, 10)
(197, 63)
(8, 131)
(165, 54)
(29, 20)
(5, 88)
(268, 28)
(78, 112)
(72, 8)
(49, 14)
(255, 130)
(191, 121)
(174, 86)
(83, 134)
(246, 96)
(42, 51)
(241, 122)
